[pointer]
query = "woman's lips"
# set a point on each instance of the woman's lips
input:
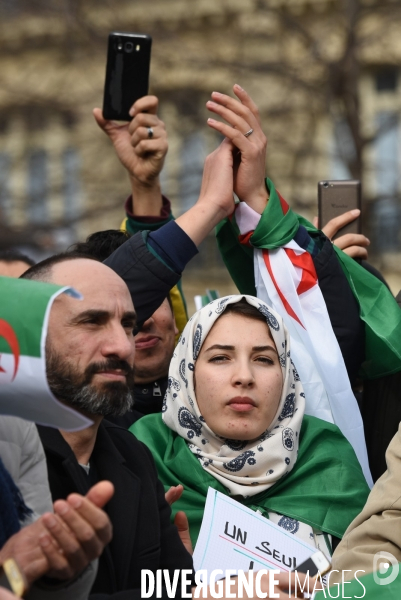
(146, 342)
(241, 404)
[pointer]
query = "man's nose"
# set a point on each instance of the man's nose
(117, 343)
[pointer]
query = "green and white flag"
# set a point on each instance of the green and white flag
(378, 307)
(24, 392)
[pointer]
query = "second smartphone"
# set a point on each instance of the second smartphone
(127, 73)
(336, 197)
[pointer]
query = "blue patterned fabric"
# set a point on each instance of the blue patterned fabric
(13, 509)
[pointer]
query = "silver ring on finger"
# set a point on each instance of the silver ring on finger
(150, 132)
(248, 133)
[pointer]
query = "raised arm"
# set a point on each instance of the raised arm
(141, 147)
(244, 130)
(152, 263)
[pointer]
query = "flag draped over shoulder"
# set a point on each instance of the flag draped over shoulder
(378, 309)
(24, 392)
(285, 278)
(326, 488)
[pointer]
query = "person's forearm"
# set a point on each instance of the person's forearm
(199, 220)
(146, 198)
(258, 201)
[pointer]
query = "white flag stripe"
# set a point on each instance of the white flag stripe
(16, 397)
(315, 351)
(317, 403)
(314, 347)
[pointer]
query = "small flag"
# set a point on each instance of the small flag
(201, 301)
(24, 392)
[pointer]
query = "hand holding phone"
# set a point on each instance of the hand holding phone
(336, 198)
(140, 154)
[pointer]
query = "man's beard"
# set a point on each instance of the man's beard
(113, 398)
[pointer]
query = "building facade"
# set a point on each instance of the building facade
(325, 75)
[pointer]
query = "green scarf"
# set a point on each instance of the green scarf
(326, 488)
(378, 308)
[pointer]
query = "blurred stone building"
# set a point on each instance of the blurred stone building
(324, 73)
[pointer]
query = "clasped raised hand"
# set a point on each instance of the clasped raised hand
(243, 129)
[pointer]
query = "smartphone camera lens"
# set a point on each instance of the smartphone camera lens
(326, 184)
(129, 46)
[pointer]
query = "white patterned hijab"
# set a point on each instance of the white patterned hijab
(246, 468)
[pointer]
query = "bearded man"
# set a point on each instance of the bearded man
(90, 366)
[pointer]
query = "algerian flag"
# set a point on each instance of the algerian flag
(24, 392)
(284, 276)
(378, 308)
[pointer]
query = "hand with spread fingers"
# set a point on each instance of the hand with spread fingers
(243, 129)
(353, 244)
(141, 145)
(61, 545)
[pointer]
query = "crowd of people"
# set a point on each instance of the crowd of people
(270, 396)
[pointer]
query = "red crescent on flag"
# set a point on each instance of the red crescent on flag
(287, 306)
(303, 261)
(8, 333)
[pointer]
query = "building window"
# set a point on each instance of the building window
(5, 193)
(387, 79)
(387, 209)
(70, 162)
(37, 187)
(193, 155)
(343, 152)
(387, 155)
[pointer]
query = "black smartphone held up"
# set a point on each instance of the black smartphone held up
(336, 198)
(127, 73)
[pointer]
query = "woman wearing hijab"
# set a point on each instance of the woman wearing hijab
(233, 419)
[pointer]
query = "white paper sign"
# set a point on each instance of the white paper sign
(235, 537)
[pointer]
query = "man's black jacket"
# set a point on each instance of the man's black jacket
(143, 536)
(148, 279)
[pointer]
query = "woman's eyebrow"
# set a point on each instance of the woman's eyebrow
(254, 348)
(220, 347)
(264, 348)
